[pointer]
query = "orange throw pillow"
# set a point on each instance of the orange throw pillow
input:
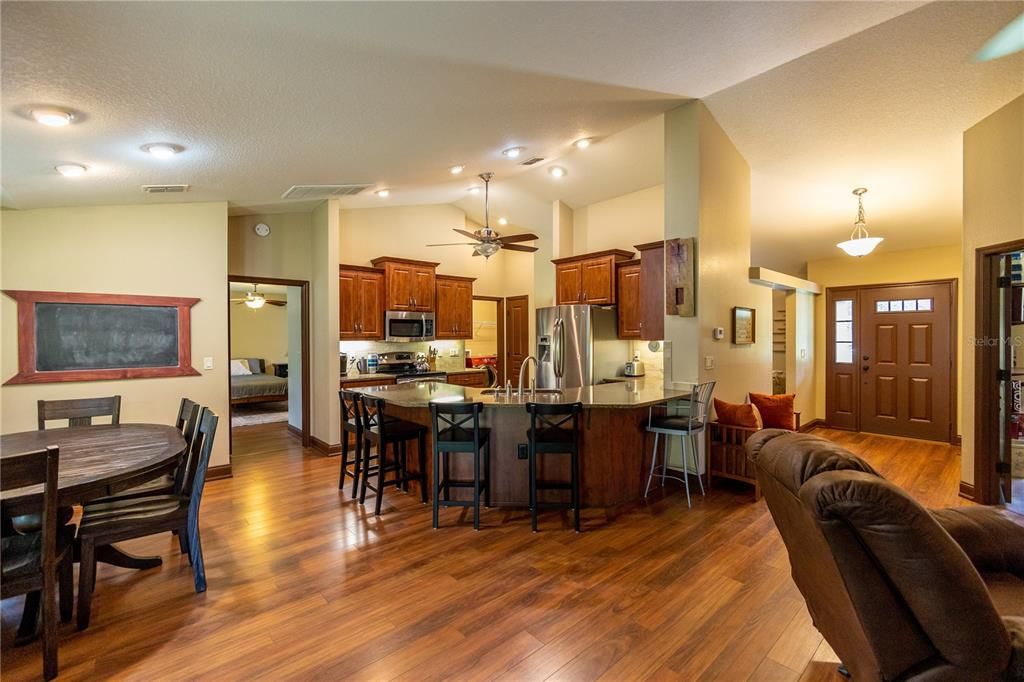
(776, 410)
(737, 414)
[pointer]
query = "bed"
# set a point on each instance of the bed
(258, 387)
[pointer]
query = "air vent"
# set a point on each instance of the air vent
(530, 162)
(164, 189)
(322, 191)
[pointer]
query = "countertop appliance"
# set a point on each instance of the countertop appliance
(577, 345)
(344, 363)
(403, 327)
(634, 368)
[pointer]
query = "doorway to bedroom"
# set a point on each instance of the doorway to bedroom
(268, 342)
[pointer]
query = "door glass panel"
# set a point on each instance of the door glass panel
(895, 306)
(881, 306)
(910, 306)
(844, 310)
(844, 352)
(844, 332)
(924, 304)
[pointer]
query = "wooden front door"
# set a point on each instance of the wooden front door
(891, 359)
(517, 334)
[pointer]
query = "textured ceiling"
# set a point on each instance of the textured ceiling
(266, 95)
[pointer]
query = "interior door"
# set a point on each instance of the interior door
(906, 360)
(517, 334)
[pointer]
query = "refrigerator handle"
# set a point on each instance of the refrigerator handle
(560, 348)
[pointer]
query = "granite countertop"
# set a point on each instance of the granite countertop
(467, 370)
(368, 377)
(615, 395)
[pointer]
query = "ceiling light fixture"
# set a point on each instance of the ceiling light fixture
(503, 220)
(55, 118)
(162, 150)
(71, 170)
(383, 193)
(456, 169)
(255, 300)
(859, 243)
(583, 143)
(513, 152)
(556, 172)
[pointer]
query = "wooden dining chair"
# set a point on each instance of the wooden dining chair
(39, 563)
(79, 411)
(107, 522)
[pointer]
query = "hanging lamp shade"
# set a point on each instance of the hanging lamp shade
(860, 242)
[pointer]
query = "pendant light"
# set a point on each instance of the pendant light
(859, 243)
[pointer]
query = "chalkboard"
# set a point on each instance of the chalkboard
(75, 336)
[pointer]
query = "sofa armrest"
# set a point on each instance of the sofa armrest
(991, 538)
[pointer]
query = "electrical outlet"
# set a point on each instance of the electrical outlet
(522, 451)
(709, 362)
(803, 353)
(453, 353)
(207, 363)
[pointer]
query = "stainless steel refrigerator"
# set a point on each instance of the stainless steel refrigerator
(578, 345)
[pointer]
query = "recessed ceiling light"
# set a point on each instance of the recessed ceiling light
(456, 169)
(503, 220)
(583, 142)
(71, 170)
(513, 152)
(557, 172)
(55, 118)
(162, 150)
(473, 190)
(383, 193)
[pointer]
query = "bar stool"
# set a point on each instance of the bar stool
(549, 435)
(382, 431)
(692, 422)
(456, 429)
(350, 423)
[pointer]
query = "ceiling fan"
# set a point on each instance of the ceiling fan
(255, 300)
(488, 242)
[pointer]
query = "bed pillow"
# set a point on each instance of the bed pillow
(254, 365)
(239, 368)
(737, 414)
(776, 410)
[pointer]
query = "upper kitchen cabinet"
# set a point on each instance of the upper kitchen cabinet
(652, 290)
(409, 284)
(588, 278)
(454, 316)
(361, 303)
(630, 313)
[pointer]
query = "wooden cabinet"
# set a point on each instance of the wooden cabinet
(473, 379)
(630, 311)
(652, 290)
(361, 296)
(409, 284)
(588, 278)
(454, 315)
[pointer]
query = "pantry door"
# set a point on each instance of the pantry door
(893, 364)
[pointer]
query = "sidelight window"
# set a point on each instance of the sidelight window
(844, 331)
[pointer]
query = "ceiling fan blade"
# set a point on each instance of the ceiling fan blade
(525, 237)
(277, 303)
(476, 253)
(466, 233)
(516, 247)
(455, 244)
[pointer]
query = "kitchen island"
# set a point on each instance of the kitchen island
(615, 449)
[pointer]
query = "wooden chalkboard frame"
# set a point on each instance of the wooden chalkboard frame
(27, 372)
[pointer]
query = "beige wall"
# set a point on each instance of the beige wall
(324, 360)
(993, 214)
(940, 262)
(285, 253)
(485, 329)
(800, 352)
(261, 332)
(620, 222)
(163, 249)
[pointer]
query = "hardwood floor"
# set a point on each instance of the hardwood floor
(304, 583)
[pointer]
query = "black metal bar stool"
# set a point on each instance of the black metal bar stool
(456, 428)
(350, 423)
(382, 431)
(555, 429)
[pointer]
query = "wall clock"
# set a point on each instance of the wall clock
(261, 229)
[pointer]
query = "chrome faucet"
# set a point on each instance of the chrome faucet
(522, 369)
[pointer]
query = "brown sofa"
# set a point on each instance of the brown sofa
(900, 593)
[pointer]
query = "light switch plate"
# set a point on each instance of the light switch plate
(709, 362)
(803, 353)
(207, 363)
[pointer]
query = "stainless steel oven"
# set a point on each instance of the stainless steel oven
(401, 327)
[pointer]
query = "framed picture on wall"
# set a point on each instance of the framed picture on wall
(743, 325)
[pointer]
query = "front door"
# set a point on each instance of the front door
(892, 359)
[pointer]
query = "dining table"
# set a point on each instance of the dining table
(96, 461)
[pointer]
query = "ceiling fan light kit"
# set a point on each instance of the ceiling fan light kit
(487, 242)
(860, 243)
(255, 300)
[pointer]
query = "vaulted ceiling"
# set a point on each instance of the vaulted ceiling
(819, 96)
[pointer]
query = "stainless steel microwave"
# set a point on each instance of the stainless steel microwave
(402, 327)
